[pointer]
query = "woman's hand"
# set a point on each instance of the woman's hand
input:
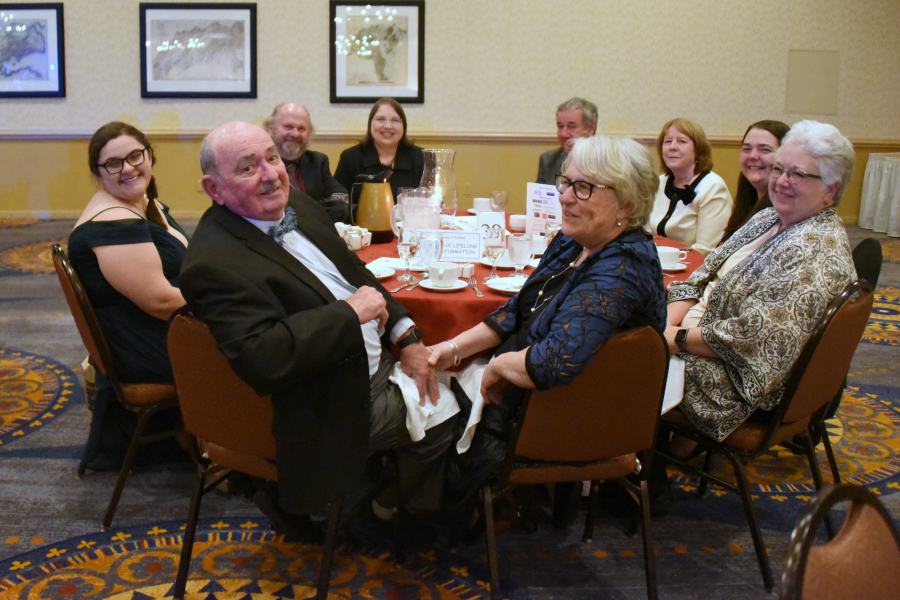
(509, 367)
(492, 384)
(442, 357)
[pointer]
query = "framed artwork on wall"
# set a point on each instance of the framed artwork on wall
(32, 53)
(198, 50)
(377, 51)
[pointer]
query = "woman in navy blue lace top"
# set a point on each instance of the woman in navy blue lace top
(599, 276)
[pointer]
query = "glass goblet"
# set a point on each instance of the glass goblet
(521, 250)
(406, 248)
(493, 250)
(499, 200)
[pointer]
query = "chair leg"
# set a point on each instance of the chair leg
(190, 531)
(126, 469)
(334, 516)
(810, 451)
(829, 452)
(588, 536)
(707, 465)
(82, 468)
(649, 557)
(761, 556)
(399, 547)
(491, 541)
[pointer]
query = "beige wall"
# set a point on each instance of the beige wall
(495, 70)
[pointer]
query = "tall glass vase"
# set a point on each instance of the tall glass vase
(438, 175)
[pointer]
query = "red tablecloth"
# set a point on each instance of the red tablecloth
(693, 260)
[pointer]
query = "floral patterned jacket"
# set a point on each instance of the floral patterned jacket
(615, 288)
(760, 315)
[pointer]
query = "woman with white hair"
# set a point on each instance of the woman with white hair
(599, 276)
(742, 318)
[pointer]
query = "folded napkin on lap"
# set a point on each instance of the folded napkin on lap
(674, 385)
(420, 419)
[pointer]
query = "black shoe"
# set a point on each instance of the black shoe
(295, 528)
(566, 504)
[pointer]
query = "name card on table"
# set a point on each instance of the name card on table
(491, 226)
(541, 206)
(458, 245)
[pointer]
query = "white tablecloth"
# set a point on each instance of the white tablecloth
(880, 206)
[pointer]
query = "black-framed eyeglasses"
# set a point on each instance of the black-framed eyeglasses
(582, 189)
(794, 176)
(115, 165)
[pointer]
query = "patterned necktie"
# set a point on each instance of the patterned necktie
(288, 223)
(296, 178)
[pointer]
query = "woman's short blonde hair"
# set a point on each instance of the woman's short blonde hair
(624, 164)
(702, 147)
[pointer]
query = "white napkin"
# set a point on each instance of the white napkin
(674, 385)
(470, 380)
(396, 263)
(420, 419)
(465, 223)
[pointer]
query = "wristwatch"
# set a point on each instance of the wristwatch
(680, 339)
(414, 335)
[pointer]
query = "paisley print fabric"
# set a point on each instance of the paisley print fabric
(615, 288)
(760, 315)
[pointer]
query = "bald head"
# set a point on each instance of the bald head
(244, 172)
(290, 128)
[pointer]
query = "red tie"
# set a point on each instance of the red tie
(295, 176)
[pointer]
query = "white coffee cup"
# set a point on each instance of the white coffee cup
(481, 204)
(539, 243)
(443, 274)
(670, 257)
(517, 222)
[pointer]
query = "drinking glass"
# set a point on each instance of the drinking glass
(431, 246)
(493, 250)
(448, 208)
(551, 229)
(521, 251)
(406, 248)
(499, 200)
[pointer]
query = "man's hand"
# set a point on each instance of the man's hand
(414, 362)
(369, 304)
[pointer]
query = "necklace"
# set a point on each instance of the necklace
(540, 300)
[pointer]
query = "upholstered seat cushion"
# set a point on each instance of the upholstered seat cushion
(749, 436)
(245, 463)
(612, 468)
(145, 394)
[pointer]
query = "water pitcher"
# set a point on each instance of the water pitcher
(438, 174)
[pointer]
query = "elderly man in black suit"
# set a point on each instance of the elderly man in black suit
(575, 118)
(300, 317)
(308, 171)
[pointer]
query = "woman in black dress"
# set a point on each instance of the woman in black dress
(385, 148)
(127, 252)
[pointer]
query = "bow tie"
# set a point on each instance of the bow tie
(288, 223)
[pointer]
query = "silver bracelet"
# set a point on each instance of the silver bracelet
(457, 355)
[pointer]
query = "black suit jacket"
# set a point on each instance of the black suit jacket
(550, 164)
(285, 334)
(317, 178)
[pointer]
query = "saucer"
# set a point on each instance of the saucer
(506, 285)
(677, 268)
(504, 263)
(473, 211)
(459, 285)
(381, 272)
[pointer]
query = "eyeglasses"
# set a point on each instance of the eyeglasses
(384, 121)
(115, 165)
(582, 189)
(794, 177)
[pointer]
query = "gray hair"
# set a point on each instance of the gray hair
(269, 122)
(588, 111)
(832, 151)
(625, 164)
(208, 156)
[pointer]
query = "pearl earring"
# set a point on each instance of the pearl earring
(618, 223)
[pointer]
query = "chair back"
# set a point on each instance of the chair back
(216, 405)
(867, 260)
(83, 312)
(610, 409)
(820, 371)
(862, 561)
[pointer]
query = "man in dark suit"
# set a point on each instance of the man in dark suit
(300, 317)
(575, 118)
(308, 170)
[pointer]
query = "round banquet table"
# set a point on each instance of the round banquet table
(442, 315)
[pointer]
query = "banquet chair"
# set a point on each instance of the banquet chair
(867, 261)
(592, 429)
(817, 375)
(143, 399)
(232, 430)
(863, 561)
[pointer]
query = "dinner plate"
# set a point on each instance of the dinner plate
(506, 285)
(676, 269)
(459, 285)
(504, 263)
(381, 272)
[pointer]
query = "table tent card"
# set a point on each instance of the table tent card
(459, 246)
(541, 205)
(491, 226)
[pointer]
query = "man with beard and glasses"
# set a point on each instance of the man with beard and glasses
(308, 171)
(300, 318)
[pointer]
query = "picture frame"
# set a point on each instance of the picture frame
(32, 51)
(198, 50)
(377, 51)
